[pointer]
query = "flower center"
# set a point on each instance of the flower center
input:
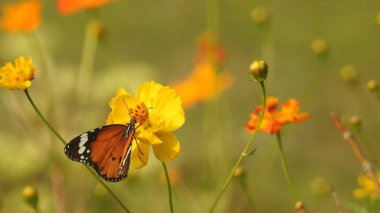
(140, 113)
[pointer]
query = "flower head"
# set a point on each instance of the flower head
(202, 85)
(158, 111)
(259, 15)
(17, 76)
(204, 82)
(24, 16)
(66, 7)
(273, 118)
(367, 188)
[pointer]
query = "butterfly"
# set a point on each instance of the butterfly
(106, 149)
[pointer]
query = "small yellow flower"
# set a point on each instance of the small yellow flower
(30, 196)
(18, 76)
(367, 188)
(349, 73)
(24, 16)
(158, 111)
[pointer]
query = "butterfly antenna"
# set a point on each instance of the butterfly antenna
(129, 110)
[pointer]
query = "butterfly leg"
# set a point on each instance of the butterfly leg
(134, 137)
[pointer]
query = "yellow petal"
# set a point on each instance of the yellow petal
(165, 103)
(140, 154)
(150, 137)
(119, 112)
(167, 150)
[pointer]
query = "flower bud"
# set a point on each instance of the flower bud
(372, 86)
(319, 47)
(300, 207)
(30, 196)
(377, 20)
(259, 15)
(355, 121)
(319, 186)
(348, 73)
(259, 70)
(239, 172)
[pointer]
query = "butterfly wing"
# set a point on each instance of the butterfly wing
(107, 149)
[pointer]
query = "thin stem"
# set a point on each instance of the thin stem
(242, 182)
(244, 152)
(285, 168)
(213, 17)
(43, 118)
(64, 143)
(87, 62)
(169, 187)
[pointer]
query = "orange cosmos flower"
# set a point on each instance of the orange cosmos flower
(24, 16)
(202, 85)
(274, 119)
(210, 50)
(66, 7)
(204, 82)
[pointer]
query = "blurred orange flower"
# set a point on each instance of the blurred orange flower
(202, 85)
(66, 7)
(274, 119)
(210, 50)
(204, 82)
(24, 16)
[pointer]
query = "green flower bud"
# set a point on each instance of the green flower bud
(259, 70)
(30, 196)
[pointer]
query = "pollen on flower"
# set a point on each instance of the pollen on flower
(140, 113)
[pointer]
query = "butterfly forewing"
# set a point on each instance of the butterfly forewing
(107, 149)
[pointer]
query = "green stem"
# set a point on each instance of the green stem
(64, 143)
(285, 168)
(244, 152)
(213, 17)
(43, 118)
(87, 62)
(243, 184)
(169, 187)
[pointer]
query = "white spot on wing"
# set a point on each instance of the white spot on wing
(83, 140)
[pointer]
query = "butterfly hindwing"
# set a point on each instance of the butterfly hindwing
(107, 149)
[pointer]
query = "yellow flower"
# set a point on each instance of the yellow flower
(158, 111)
(367, 188)
(17, 76)
(24, 16)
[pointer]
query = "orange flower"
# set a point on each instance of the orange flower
(24, 16)
(202, 85)
(66, 7)
(274, 119)
(210, 50)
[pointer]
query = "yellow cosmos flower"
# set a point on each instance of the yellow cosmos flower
(24, 16)
(158, 111)
(367, 188)
(18, 76)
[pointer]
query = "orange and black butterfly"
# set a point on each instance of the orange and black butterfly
(107, 149)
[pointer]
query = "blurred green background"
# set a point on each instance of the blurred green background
(157, 40)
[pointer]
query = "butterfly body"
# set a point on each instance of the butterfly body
(107, 149)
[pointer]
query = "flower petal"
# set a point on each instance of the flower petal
(166, 106)
(119, 112)
(140, 154)
(167, 150)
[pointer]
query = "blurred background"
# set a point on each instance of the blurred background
(321, 53)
